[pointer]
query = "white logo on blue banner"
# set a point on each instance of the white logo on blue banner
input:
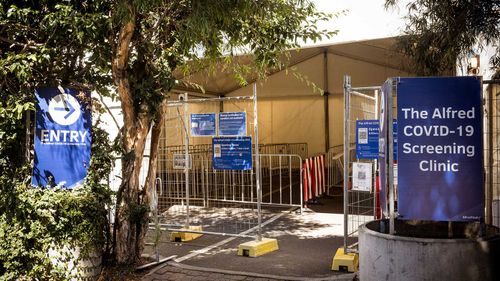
(64, 109)
(62, 138)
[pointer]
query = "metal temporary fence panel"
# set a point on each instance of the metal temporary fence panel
(491, 97)
(360, 106)
(222, 201)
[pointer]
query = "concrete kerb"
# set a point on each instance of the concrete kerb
(343, 277)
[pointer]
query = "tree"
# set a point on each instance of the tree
(440, 32)
(134, 47)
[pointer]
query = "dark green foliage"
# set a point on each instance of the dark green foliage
(34, 220)
(441, 31)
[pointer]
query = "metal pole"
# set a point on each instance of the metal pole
(220, 99)
(347, 89)
(489, 190)
(257, 163)
(301, 186)
(157, 221)
(186, 155)
(325, 101)
(390, 156)
(375, 163)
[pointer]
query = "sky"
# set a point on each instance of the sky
(363, 19)
(368, 19)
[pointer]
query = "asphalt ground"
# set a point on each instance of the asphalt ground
(307, 243)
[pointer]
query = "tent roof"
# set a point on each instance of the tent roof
(379, 52)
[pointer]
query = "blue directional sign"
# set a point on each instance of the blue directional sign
(440, 152)
(232, 124)
(62, 137)
(232, 153)
(203, 125)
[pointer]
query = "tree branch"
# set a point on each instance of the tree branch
(29, 45)
(119, 67)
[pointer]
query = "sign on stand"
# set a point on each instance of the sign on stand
(232, 153)
(62, 137)
(367, 133)
(367, 139)
(203, 125)
(362, 176)
(232, 124)
(179, 161)
(440, 152)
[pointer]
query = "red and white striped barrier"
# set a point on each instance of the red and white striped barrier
(314, 177)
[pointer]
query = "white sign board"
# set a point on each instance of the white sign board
(179, 161)
(362, 176)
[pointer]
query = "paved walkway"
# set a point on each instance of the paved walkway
(307, 243)
(175, 272)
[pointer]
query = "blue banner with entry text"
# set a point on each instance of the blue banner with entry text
(62, 137)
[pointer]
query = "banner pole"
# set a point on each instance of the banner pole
(390, 155)
(186, 156)
(347, 89)
(257, 162)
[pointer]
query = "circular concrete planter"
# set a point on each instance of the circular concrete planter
(423, 251)
(78, 267)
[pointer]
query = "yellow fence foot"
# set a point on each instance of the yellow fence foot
(184, 235)
(345, 261)
(257, 248)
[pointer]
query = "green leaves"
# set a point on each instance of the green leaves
(34, 220)
(262, 29)
(440, 32)
(44, 219)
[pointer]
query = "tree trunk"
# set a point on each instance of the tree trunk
(135, 130)
(147, 193)
(129, 211)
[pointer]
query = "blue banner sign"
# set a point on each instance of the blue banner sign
(232, 153)
(62, 137)
(440, 161)
(232, 124)
(203, 125)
